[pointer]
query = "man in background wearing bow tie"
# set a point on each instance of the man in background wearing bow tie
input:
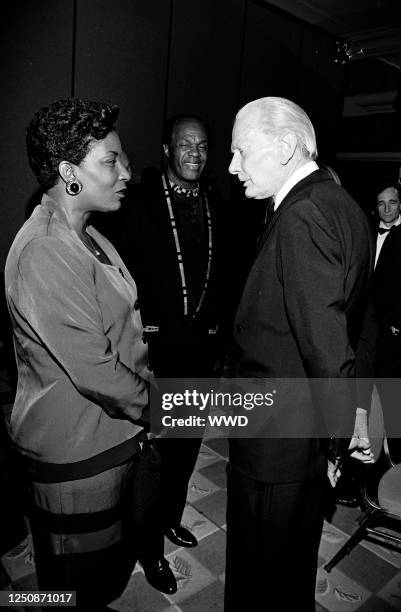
(387, 303)
(388, 208)
(379, 350)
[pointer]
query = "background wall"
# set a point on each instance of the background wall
(155, 58)
(36, 50)
(370, 135)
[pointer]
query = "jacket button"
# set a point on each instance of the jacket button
(239, 327)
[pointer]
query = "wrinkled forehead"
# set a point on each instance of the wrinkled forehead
(247, 119)
(390, 193)
(248, 129)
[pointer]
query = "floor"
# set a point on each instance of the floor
(368, 580)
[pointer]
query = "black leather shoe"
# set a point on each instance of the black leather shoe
(160, 576)
(181, 536)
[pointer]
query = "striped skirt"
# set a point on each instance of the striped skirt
(81, 517)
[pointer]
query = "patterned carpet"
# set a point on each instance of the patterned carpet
(369, 580)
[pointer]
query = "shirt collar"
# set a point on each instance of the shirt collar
(297, 176)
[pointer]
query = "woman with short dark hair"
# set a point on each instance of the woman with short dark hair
(81, 356)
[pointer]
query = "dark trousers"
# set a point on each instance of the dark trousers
(178, 461)
(188, 353)
(273, 535)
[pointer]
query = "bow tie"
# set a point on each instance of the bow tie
(383, 230)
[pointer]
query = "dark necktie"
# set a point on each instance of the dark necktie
(268, 217)
(383, 230)
(269, 211)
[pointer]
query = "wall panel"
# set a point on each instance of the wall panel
(320, 88)
(155, 58)
(121, 57)
(36, 53)
(271, 53)
(204, 70)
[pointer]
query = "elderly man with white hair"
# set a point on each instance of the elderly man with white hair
(297, 323)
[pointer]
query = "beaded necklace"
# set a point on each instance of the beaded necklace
(194, 192)
(173, 223)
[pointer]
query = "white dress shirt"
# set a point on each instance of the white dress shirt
(382, 237)
(298, 175)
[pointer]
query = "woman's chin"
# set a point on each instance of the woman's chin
(115, 205)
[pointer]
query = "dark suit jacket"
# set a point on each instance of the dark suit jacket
(387, 302)
(146, 243)
(148, 249)
(366, 348)
(300, 317)
(386, 288)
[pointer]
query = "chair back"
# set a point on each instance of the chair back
(380, 493)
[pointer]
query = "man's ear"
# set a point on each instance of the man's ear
(287, 147)
(166, 150)
(67, 171)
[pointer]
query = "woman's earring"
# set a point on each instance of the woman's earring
(73, 187)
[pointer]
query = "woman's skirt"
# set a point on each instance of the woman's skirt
(81, 517)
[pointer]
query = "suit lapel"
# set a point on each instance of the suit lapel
(292, 196)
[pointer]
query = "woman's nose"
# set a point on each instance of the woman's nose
(125, 174)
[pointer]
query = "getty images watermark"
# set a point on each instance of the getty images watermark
(208, 402)
(262, 408)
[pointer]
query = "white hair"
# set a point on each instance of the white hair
(274, 115)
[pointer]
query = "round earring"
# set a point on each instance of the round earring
(73, 187)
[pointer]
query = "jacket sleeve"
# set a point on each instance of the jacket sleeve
(57, 298)
(311, 269)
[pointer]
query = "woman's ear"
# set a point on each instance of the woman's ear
(288, 145)
(66, 171)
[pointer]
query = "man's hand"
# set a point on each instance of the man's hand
(360, 445)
